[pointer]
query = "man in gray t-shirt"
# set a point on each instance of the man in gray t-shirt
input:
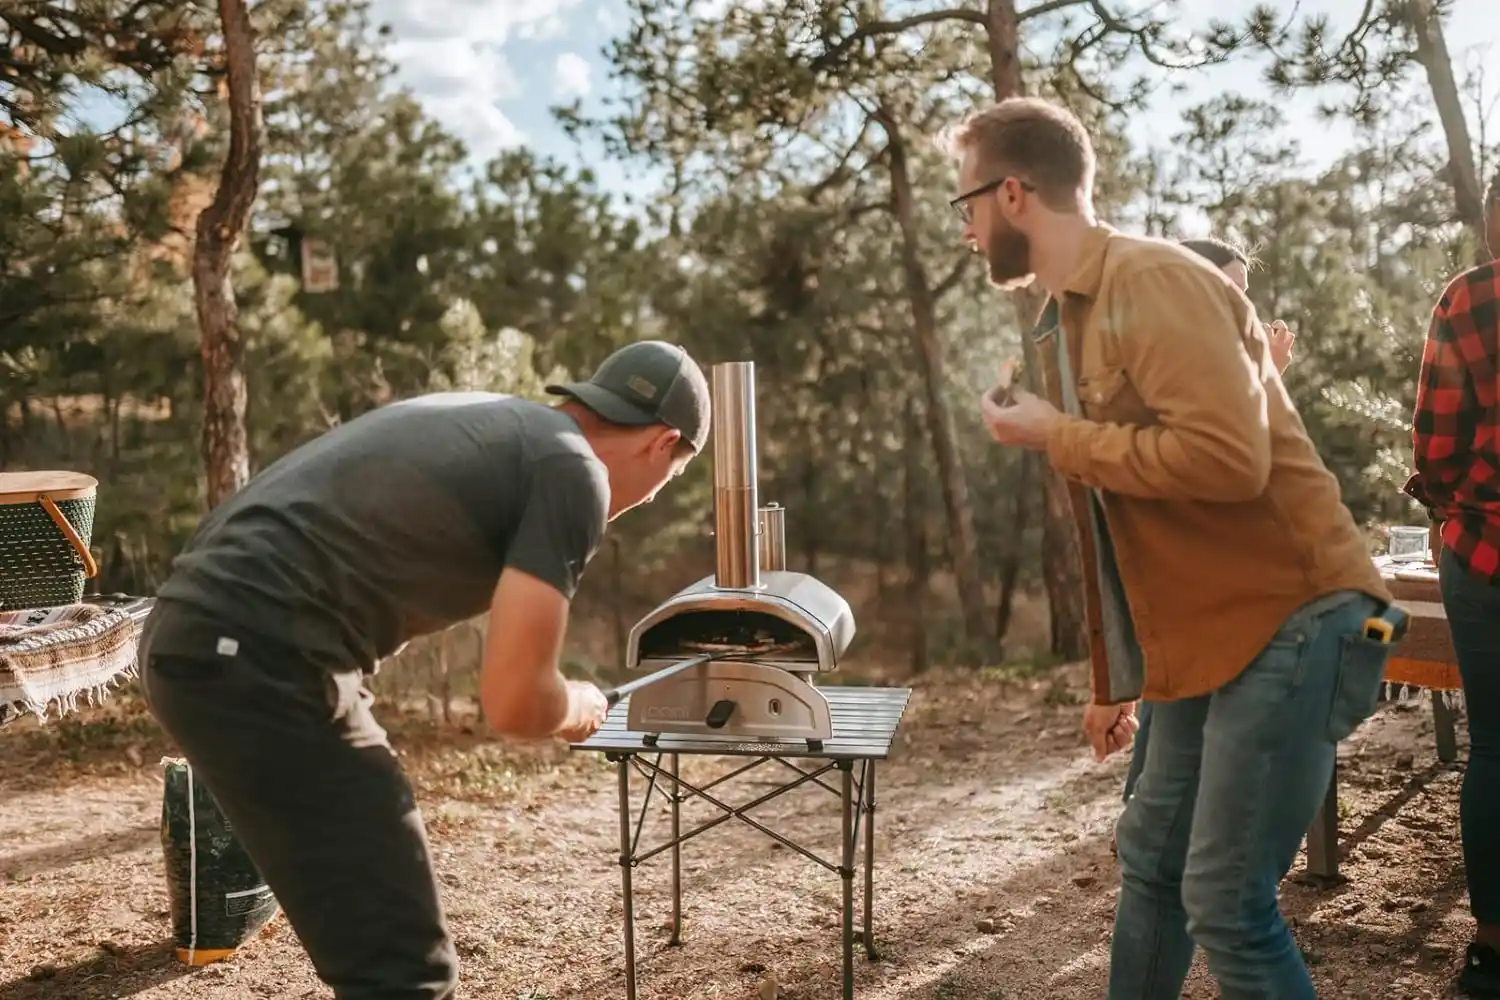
(407, 520)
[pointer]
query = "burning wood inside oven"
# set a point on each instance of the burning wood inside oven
(729, 633)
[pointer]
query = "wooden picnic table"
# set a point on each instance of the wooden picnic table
(1425, 659)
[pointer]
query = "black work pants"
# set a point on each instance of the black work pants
(1473, 609)
(302, 770)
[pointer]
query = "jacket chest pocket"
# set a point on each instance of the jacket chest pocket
(1107, 395)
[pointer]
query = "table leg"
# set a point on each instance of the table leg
(1443, 727)
(675, 762)
(846, 872)
(625, 866)
(869, 788)
(1323, 837)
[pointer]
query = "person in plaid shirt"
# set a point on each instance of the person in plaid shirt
(1456, 453)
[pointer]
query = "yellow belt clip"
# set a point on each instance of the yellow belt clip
(1387, 627)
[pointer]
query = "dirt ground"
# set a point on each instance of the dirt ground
(993, 880)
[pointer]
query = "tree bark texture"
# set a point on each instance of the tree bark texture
(1062, 564)
(1432, 53)
(1010, 564)
(963, 540)
(225, 445)
(914, 504)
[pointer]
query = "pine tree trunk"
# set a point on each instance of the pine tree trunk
(1010, 563)
(617, 601)
(914, 516)
(226, 452)
(963, 540)
(64, 439)
(1062, 563)
(481, 634)
(1432, 54)
(445, 677)
(812, 548)
(882, 543)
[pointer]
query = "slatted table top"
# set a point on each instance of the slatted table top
(865, 720)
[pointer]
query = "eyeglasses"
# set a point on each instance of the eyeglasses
(966, 211)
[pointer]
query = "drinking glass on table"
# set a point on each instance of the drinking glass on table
(1407, 543)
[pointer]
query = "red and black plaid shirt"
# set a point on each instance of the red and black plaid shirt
(1456, 428)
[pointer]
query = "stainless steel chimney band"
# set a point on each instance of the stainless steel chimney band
(736, 485)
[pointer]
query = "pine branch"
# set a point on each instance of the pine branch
(835, 51)
(1048, 7)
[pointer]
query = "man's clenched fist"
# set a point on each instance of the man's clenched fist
(1109, 727)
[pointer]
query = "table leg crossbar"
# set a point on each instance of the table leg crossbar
(858, 800)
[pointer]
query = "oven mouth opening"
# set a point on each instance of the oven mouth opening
(727, 634)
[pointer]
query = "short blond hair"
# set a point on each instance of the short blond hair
(1035, 140)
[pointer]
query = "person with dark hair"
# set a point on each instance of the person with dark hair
(402, 522)
(1224, 255)
(1456, 455)
(1235, 264)
(1226, 581)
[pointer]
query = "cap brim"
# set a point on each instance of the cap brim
(606, 404)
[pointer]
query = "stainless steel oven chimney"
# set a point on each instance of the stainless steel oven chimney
(736, 477)
(773, 538)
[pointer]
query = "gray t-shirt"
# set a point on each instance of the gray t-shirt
(398, 524)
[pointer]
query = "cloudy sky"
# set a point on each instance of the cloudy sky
(489, 69)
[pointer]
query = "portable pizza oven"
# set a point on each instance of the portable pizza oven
(759, 632)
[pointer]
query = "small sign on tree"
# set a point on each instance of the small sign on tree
(320, 267)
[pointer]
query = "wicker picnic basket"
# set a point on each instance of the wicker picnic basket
(46, 524)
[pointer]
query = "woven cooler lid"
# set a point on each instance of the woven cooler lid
(25, 487)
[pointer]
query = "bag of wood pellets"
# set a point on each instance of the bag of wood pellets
(218, 900)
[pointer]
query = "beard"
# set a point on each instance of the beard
(1008, 257)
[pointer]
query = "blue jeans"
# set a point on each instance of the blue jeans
(1473, 609)
(1229, 785)
(1138, 747)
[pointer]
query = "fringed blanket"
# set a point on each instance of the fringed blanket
(1425, 659)
(53, 657)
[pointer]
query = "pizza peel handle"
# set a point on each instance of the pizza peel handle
(614, 695)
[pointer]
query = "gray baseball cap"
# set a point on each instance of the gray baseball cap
(647, 382)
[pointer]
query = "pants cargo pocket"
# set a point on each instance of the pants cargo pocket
(1362, 663)
(344, 690)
